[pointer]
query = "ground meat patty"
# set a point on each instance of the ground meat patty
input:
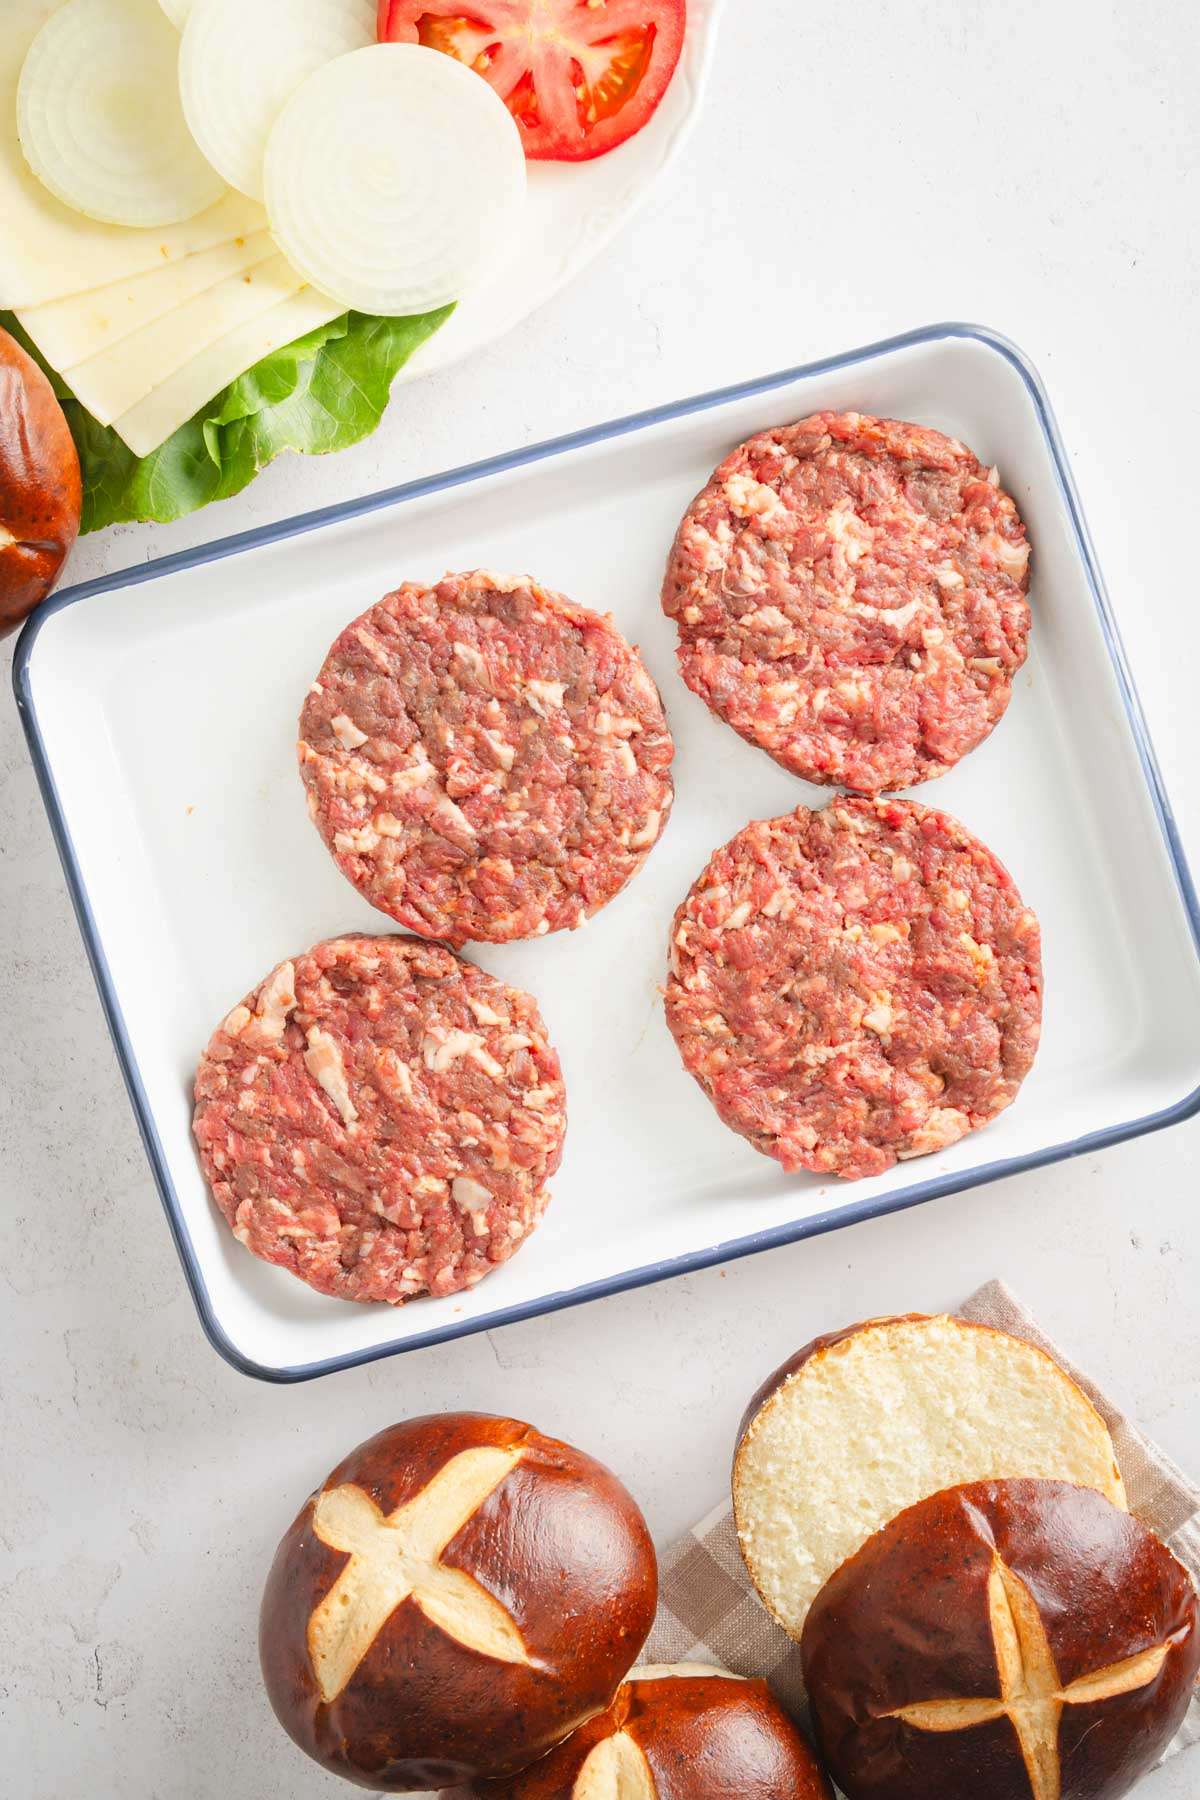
(381, 1118)
(850, 596)
(856, 985)
(484, 759)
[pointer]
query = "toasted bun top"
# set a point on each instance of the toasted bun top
(866, 1422)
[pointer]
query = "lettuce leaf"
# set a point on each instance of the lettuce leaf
(323, 392)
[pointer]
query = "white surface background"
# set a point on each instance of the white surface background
(1030, 166)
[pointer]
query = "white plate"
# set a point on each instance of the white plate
(574, 209)
(162, 719)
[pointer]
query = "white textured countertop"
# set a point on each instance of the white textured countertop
(1027, 166)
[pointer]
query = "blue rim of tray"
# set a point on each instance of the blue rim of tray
(832, 1218)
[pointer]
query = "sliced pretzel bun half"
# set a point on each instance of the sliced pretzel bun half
(1009, 1640)
(867, 1421)
(681, 1731)
(456, 1598)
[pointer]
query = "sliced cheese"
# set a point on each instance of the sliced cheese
(114, 381)
(70, 330)
(148, 424)
(46, 249)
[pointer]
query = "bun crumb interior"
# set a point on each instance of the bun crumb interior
(860, 1426)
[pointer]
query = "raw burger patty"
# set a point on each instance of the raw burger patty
(381, 1118)
(850, 596)
(484, 759)
(855, 985)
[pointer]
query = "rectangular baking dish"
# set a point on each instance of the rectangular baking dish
(160, 707)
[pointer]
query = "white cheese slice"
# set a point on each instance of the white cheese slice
(148, 424)
(113, 382)
(69, 330)
(46, 249)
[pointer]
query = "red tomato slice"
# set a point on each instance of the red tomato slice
(578, 76)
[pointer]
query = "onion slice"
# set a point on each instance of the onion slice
(394, 179)
(99, 118)
(177, 11)
(240, 60)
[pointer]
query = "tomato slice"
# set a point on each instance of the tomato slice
(578, 76)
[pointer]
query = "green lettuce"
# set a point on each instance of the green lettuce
(323, 392)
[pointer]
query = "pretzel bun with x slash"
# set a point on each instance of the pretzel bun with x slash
(458, 1596)
(1007, 1640)
(678, 1732)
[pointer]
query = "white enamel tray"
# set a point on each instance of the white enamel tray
(160, 705)
(574, 209)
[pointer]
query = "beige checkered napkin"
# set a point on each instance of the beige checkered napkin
(708, 1611)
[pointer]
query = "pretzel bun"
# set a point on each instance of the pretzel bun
(40, 490)
(1011, 1640)
(685, 1732)
(866, 1421)
(457, 1597)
